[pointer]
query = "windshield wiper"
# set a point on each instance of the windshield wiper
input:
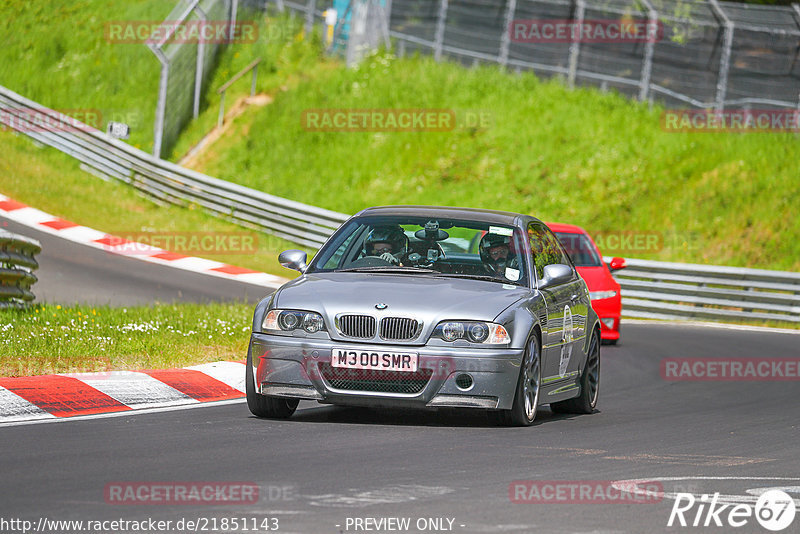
(478, 277)
(387, 269)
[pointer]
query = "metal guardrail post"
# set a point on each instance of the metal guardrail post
(254, 80)
(198, 73)
(725, 56)
(440, 24)
(161, 104)
(505, 40)
(221, 115)
(310, 7)
(575, 47)
(232, 26)
(647, 63)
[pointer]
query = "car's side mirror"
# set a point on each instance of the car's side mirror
(293, 259)
(617, 264)
(555, 274)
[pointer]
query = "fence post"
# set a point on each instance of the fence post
(198, 73)
(310, 6)
(725, 56)
(647, 63)
(575, 47)
(232, 26)
(388, 9)
(505, 41)
(439, 39)
(221, 115)
(161, 105)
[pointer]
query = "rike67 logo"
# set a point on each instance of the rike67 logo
(774, 510)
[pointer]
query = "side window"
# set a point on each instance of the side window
(335, 261)
(545, 248)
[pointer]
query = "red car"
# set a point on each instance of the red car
(603, 289)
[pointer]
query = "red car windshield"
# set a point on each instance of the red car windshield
(580, 249)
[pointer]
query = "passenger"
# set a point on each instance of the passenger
(497, 257)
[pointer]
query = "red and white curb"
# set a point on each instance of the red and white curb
(52, 397)
(50, 224)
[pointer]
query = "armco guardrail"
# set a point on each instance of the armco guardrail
(660, 290)
(651, 289)
(17, 263)
(165, 181)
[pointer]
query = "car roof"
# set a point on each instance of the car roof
(491, 216)
(569, 228)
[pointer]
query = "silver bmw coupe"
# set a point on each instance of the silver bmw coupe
(425, 306)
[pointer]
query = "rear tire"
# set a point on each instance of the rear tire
(261, 405)
(590, 384)
(526, 397)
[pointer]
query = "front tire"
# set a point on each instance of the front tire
(590, 384)
(526, 398)
(261, 405)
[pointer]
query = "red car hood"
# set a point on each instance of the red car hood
(598, 278)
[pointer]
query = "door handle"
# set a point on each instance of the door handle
(574, 298)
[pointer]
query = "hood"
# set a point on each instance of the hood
(426, 298)
(598, 278)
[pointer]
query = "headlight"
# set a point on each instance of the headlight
(472, 331)
(598, 295)
(280, 321)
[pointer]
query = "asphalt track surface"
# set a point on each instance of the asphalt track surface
(328, 464)
(71, 273)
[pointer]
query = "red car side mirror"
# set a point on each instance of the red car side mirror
(617, 264)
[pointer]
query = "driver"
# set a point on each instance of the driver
(386, 242)
(495, 251)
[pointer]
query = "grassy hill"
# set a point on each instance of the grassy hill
(585, 157)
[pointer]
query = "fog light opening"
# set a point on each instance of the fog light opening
(464, 382)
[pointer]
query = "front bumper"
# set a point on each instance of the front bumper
(286, 366)
(608, 309)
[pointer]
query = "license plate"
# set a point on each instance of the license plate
(374, 360)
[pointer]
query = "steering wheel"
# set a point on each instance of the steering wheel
(369, 261)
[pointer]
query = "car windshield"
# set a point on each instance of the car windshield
(580, 249)
(451, 248)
